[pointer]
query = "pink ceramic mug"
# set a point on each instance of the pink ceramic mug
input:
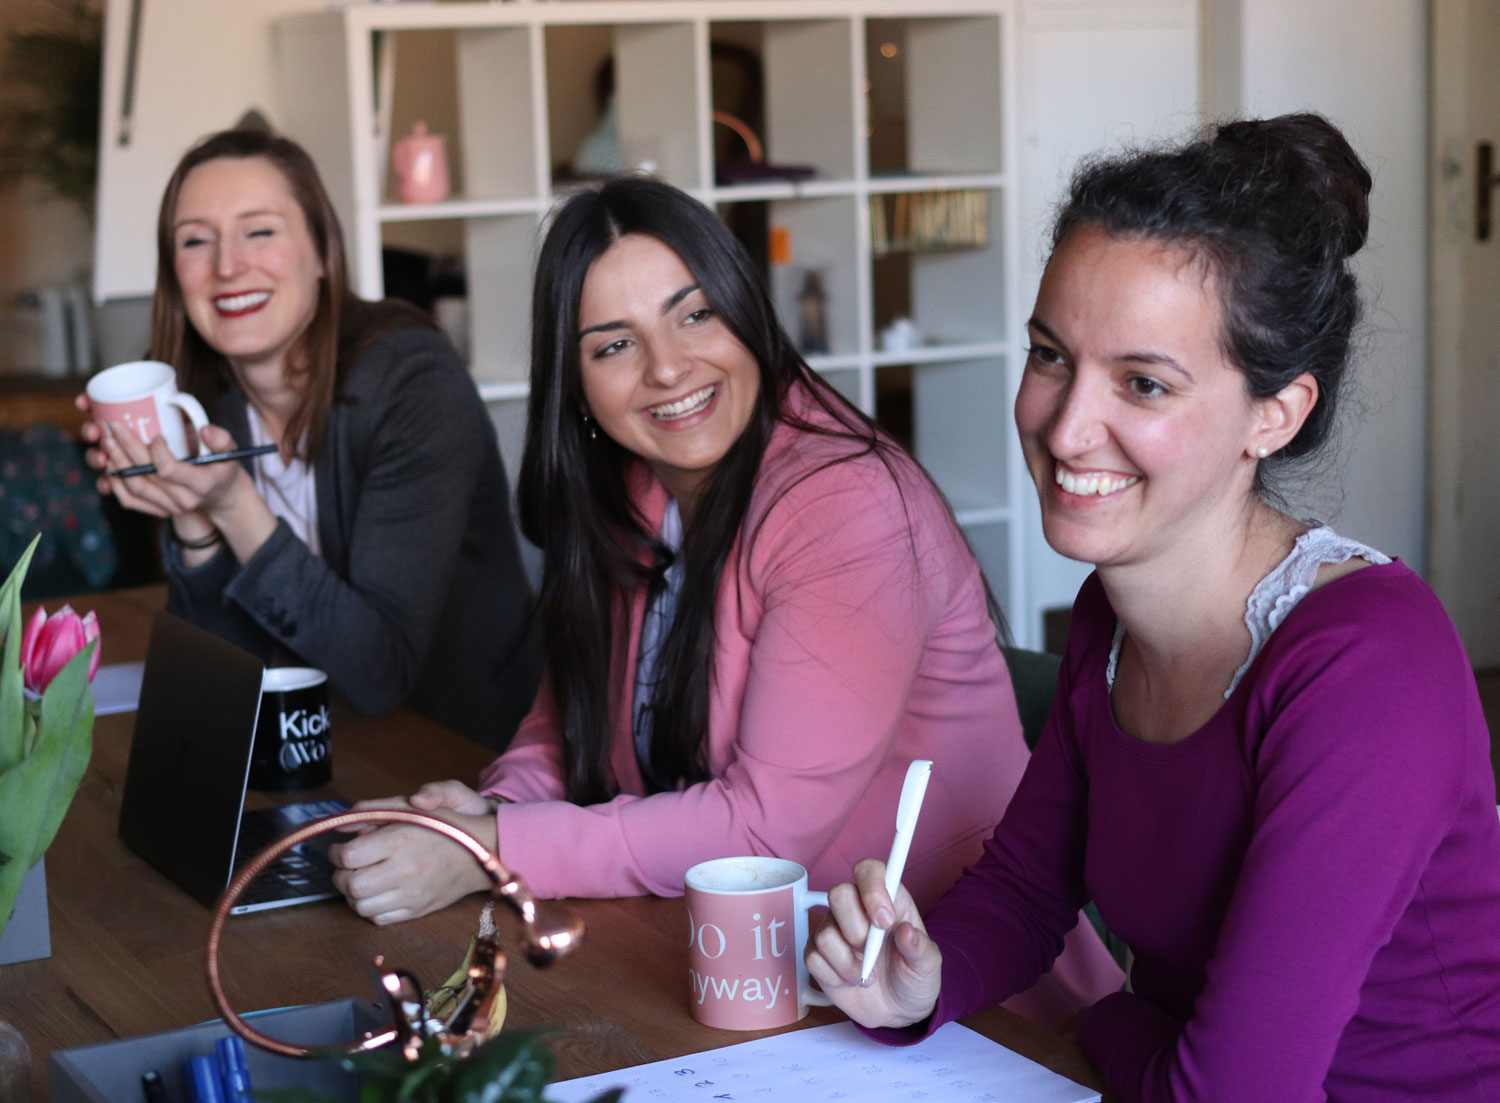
(747, 926)
(143, 395)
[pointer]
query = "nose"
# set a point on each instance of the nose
(1078, 424)
(665, 364)
(229, 261)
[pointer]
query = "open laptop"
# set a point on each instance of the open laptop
(183, 805)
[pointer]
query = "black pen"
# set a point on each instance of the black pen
(207, 457)
(152, 1088)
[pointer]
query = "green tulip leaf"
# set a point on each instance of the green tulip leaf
(12, 700)
(68, 720)
(36, 792)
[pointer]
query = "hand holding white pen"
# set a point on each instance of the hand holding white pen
(913, 789)
(870, 910)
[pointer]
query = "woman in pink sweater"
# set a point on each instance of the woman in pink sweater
(757, 608)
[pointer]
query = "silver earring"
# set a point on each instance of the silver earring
(591, 425)
(1262, 451)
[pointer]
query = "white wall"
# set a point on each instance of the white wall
(1360, 62)
(1363, 64)
(1094, 76)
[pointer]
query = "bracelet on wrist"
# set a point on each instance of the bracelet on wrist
(214, 537)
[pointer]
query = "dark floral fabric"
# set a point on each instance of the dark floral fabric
(46, 488)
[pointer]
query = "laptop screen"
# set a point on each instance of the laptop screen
(190, 755)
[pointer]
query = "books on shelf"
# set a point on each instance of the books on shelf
(919, 221)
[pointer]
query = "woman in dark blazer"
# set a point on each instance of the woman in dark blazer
(376, 543)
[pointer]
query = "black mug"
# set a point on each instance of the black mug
(292, 749)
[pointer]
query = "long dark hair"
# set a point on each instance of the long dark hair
(574, 501)
(1277, 208)
(341, 325)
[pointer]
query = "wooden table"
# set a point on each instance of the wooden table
(127, 945)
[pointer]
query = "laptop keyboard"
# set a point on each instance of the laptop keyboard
(302, 871)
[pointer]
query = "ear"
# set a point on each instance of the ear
(1281, 416)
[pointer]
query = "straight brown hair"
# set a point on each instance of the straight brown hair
(341, 325)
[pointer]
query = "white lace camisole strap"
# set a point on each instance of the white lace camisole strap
(1278, 593)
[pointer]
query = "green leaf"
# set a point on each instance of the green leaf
(12, 700)
(512, 1067)
(68, 719)
(292, 1095)
(36, 792)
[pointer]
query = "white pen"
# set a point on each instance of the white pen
(913, 789)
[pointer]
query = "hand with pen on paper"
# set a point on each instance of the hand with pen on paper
(903, 984)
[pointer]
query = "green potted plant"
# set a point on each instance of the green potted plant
(46, 728)
(49, 101)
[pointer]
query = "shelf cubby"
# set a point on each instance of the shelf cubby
(958, 295)
(656, 85)
(496, 96)
(803, 114)
(499, 254)
(421, 65)
(580, 81)
(970, 467)
(822, 236)
(936, 97)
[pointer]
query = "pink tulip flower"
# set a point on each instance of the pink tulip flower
(49, 642)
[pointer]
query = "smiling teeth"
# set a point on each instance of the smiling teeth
(1094, 484)
(684, 406)
(231, 304)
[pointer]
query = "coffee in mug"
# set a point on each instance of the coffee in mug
(747, 927)
(143, 396)
(292, 749)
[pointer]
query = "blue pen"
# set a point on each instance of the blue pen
(234, 1073)
(202, 1076)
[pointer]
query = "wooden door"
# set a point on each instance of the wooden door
(1464, 475)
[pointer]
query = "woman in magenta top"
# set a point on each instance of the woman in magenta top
(1266, 761)
(757, 608)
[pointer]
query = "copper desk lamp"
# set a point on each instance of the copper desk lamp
(548, 932)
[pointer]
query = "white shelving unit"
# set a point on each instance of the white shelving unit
(949, 87)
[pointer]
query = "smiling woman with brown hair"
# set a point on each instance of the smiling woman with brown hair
(376, 543)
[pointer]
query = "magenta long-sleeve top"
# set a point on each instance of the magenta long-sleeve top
(1310, 882)
(852, 636)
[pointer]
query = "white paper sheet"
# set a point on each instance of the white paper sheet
(954, 1065)
(117, 687)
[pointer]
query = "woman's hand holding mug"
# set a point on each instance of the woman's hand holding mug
(142, 401)
(903, 988)
(138, 417)
(136, 421)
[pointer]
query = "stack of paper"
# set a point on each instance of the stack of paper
(954, 1065)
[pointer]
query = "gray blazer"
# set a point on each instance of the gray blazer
(419, 597)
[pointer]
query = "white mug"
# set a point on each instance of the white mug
(747, 926)
(143, 395)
